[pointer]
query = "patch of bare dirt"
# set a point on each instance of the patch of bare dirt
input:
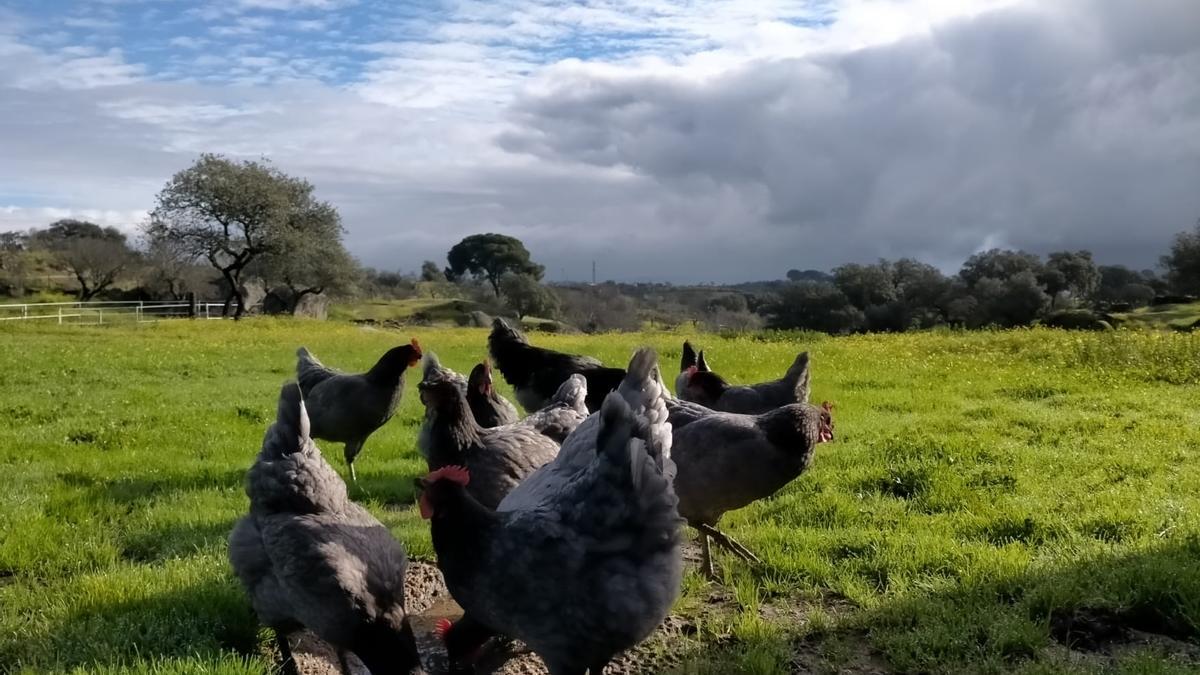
(1098, 636)
(853, 656)
(1100, 629)
(428, 601)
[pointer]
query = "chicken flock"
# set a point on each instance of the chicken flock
(562, 529)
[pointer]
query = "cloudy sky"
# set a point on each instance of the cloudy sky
(674, 140)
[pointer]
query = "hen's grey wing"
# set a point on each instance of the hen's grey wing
(335, 571)
(348, 407)
(509, 456)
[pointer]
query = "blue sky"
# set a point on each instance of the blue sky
(728, 135)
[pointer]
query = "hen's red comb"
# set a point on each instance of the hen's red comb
(827, 406)
(441, 628)
(456, 474)
(416, 345)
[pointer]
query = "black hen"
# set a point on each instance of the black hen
(536, 373)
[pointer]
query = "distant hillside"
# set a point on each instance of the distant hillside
(1179, 317)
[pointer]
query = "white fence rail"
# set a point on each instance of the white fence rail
(94, 313)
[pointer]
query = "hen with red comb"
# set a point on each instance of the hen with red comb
(349, 408)
(498, 458)
(487, 405)
(582, 560)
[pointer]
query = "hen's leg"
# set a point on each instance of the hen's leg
(465, 641)
(287, 663)
(350, 452)
(728, 542)
(343, 664)
(706, 565)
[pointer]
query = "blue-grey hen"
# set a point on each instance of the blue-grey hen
(727, 460)
(583, 560)
(349, 408)
(309, 557)
(499, 457)
(487, 405)
(699, 384)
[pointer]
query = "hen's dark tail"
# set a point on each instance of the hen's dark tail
(689, 356)
(797, 377)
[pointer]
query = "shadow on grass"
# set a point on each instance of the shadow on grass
(1100, 609)
(389, 490)
(208, 620)
(133, 490)
(1133, 612)
(174, 541)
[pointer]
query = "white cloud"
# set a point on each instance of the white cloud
(734, 143)
(26, 218)
(187, 42)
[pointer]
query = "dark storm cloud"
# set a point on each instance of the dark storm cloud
(1076, 126)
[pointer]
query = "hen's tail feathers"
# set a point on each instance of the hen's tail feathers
(632, 445)
(798, 377)
(644, 391)
(701, 363)
(432, 369)
(290, 432)
(431, 366)
(689, 356)
(502, 331)
(310, 371)
(572, 393)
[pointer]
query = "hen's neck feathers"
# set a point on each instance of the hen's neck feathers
(795, 427)
(453, 431)
(389, 369)
(460, 528)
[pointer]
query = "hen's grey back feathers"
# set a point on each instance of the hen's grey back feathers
(308, 556)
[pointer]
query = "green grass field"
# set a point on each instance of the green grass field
(991, 496)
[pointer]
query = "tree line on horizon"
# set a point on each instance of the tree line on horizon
(220, 223)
